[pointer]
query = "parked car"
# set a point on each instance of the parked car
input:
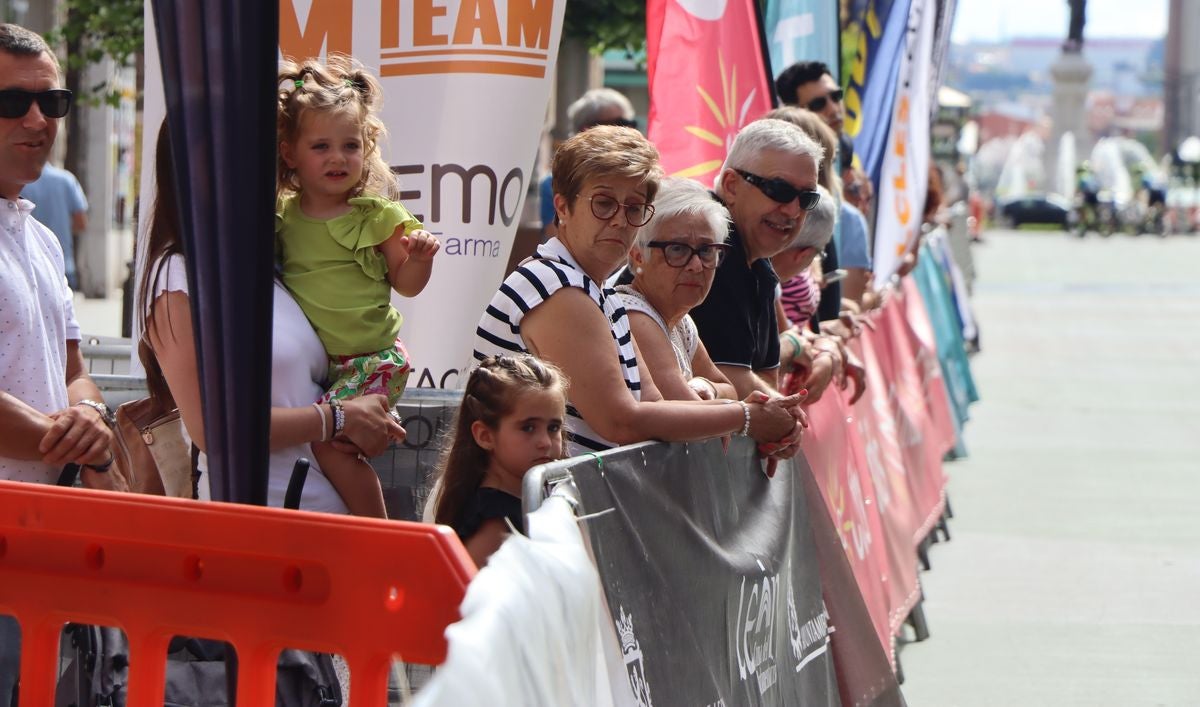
(1034, 208)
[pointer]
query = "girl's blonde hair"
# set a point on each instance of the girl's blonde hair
(491, 393)
(340, 85)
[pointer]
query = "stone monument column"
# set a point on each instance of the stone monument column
(1072, 75)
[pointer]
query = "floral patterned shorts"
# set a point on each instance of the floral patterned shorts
(383, 373)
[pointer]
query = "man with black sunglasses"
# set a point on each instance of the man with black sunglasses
(51, 412)
(810, 84)
(768, 183)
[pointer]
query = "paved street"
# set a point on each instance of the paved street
(1073, 574)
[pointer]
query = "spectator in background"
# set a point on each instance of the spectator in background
(599, 106)
(59, 203)
(810, 85)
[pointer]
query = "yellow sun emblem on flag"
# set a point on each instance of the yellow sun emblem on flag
(730, 116)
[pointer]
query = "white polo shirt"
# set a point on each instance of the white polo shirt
(37, 319)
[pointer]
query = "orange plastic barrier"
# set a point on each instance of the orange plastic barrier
(262, 579)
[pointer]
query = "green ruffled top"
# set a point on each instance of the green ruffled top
(337, 273)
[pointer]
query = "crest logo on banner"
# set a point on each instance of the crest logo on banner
(707, 79)
(633, 659)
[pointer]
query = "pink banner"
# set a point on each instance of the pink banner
(835, 453)
(924, 344)
(878, 463)
(893, 497)
(920, 443)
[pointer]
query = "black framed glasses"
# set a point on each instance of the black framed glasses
(818, 104)
(604, 207)
(779, 190)
(15, 102)
(678, 254)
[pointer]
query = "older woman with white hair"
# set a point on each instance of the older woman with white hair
(673, 260)
(807, 362)
(800, 294)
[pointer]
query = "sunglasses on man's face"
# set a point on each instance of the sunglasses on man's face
(15, 103)
(818, 104)
(779, 190)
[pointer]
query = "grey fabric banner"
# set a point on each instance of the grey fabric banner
(711, 575)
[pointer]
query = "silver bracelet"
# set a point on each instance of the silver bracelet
(339, 416)
(745, 410)
(324, 426)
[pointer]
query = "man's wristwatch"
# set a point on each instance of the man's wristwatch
(105, 413)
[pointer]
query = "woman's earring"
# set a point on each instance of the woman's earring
(639, 270)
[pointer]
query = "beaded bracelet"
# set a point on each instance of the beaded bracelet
(339, 416)
(746, 411)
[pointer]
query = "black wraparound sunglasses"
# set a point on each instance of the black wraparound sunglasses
(779, 190)
(817, 104)
(14, 102)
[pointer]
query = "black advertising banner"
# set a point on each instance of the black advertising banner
(711, 575)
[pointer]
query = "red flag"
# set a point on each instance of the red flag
(707, 79)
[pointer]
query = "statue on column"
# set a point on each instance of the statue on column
(1074, 43)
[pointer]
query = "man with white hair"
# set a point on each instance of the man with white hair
(768, 183)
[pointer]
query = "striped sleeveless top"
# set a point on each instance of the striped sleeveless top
(550, 269)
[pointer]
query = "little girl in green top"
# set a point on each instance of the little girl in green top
(344, 245)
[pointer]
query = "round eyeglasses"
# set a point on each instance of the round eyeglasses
(604, 207)
(678, 254)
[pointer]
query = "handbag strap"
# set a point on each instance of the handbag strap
(68, 475)
(295, 488)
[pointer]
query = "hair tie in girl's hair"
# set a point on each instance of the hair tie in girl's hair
(299, 83)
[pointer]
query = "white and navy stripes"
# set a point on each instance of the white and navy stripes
(551, 269)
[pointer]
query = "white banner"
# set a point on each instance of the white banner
(465, 85)
(904, 174)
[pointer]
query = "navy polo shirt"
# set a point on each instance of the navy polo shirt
(737, 320)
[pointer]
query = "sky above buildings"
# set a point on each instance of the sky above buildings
(989, 20)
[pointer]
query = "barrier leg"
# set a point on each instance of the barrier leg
(949, 510)
(147, 668)
(899, 670)
(944, 528)
(923, 554)
(369, 678)
(39, 656)
(916, 619)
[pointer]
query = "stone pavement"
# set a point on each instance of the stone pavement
(1073, 572)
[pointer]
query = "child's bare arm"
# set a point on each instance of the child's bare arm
(410, 260)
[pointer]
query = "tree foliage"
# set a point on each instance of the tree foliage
(607, 24)
(99, 29)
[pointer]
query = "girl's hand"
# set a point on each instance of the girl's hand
(370, 424)
(421, 245)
